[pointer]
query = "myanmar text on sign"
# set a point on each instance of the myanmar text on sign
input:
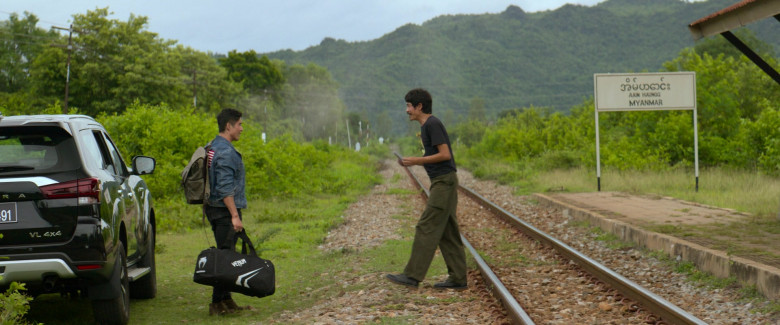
(645, 91)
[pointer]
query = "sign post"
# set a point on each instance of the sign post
(645, 92)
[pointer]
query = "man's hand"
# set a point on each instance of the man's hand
(409, 161)
(237, 224)
(400, 159)
(230, 203)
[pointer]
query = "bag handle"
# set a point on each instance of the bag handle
(245, 241)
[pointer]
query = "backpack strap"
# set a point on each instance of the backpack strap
(206, 183)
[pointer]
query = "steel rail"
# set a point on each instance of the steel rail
(514, 311)
(652, 302)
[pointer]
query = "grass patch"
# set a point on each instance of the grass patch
(288, 234)
(745, 191)
(609, 239)
(678, 230)
(305, 275)
(285, 230)
(702, 278)
(751, 294)
(397, 177)
(696, 276)
(503, 244)
(737, 238)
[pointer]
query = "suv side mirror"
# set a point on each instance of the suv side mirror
(143, 165)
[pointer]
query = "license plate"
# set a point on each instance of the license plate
(8, 212)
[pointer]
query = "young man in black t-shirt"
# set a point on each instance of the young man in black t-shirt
(438, 226)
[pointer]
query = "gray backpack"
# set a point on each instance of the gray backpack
(195, 177)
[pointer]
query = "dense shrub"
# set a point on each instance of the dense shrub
(14, 304)
(169, 135)
(280, 167)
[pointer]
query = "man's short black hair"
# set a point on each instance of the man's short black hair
(419, 95)
(227, 115)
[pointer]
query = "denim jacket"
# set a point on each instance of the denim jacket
(226, 174)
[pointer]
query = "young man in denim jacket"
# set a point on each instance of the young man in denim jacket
(227, 197)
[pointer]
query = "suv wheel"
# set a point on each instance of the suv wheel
(117, 310)
(146, 287)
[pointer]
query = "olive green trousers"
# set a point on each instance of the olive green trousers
(438, 227)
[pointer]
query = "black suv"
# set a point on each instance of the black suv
(73, 217)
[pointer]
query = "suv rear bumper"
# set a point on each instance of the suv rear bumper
(39, 265)
(26, 263)
(34, 270)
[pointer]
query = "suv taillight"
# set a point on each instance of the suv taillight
(87, 190)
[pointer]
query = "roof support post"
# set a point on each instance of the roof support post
(752, 55)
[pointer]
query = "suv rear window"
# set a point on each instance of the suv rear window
(39, 149)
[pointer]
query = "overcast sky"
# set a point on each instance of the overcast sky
(266, 26)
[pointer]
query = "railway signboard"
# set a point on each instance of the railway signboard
(645, 92)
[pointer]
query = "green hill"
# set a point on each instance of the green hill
(510, 60)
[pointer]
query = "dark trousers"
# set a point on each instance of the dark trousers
(438, 227)
(222, 226)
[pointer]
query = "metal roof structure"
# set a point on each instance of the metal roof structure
(734, 16)
(738, 15)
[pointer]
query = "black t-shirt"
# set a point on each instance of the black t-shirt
(433, 134)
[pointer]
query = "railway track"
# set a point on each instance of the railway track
(541, 262)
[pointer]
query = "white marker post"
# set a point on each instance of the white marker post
(645, 92)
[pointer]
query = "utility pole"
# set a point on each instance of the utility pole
(265, 110)
(195, 88)
(67, 76)
(349, 140)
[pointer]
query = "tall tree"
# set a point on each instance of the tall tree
(261, 82)
(256, 74)
(206, 81)
(20, 42)
(116, 63)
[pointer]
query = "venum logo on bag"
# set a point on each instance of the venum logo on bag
(239, 262)
(201, 264)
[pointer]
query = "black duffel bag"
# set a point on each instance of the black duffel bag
(244, 273)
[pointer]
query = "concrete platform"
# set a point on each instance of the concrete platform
(629, 216)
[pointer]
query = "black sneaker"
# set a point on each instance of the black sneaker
(450, 285)
(403, 279)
